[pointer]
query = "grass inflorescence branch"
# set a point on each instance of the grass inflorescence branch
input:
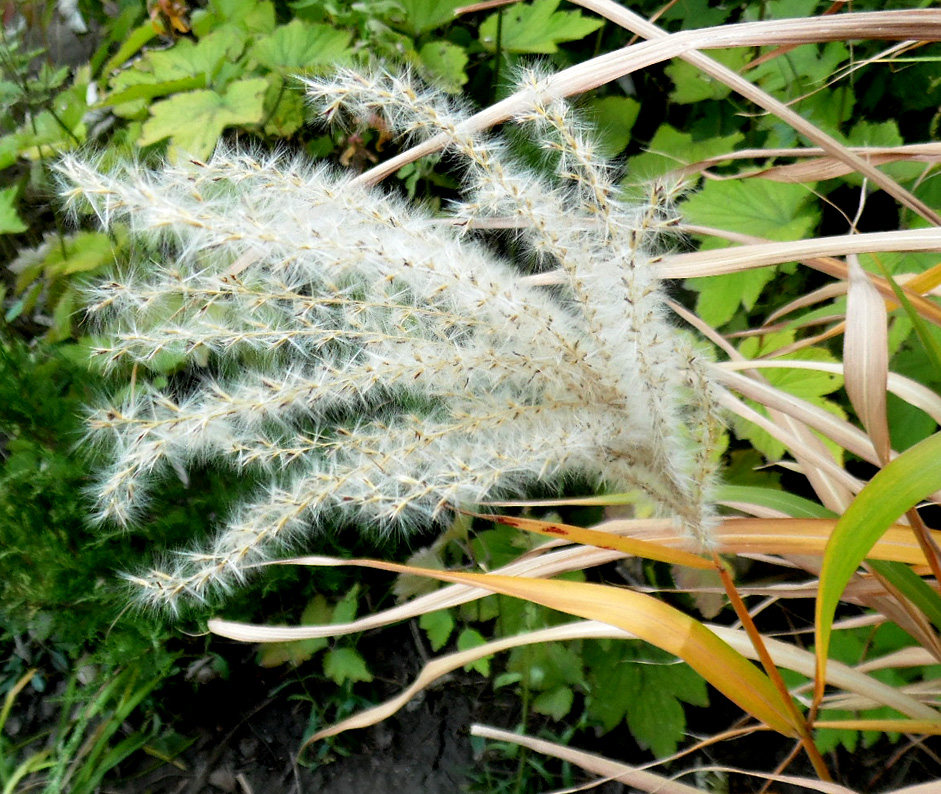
(378, 362)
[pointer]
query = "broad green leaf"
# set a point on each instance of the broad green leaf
(799, 71)
(10, 221)
(809, 385)
(346, 608)
(613, 118)
(692, 85)
(670, 149)
(886, 133)
(643, 689)
(759, 207)
(770, 210)
(471, 638)
(536, 28)
(437, 626)
(195, 121)
(425, 15)
(250, 16)
(9, 150)
(696, 13)
(345, 664)
(286, 117)
(895, 489)
(546, 666)
(444, 62)
(555, 703)
(149, 90)
(301, 46)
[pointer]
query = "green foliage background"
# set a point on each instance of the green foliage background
(150, 95)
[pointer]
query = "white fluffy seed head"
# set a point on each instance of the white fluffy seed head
(380, 364)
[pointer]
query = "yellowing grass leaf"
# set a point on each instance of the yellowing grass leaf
(651, 620)
(893, 491)
(605, 540)
(884, 726)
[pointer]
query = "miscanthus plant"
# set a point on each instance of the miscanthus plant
(369, 360)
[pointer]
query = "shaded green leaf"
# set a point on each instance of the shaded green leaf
(471, 638)
(437, 626)
(555, 703)
(444, 62)
(692, 85)
(614, 119)
(670, 149)
(10, 221)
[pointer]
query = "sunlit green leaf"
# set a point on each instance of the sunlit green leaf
(300, 46)
(194, 121)
(536, 28)
(424, 15)
(345, 664)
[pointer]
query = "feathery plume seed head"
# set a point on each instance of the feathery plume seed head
(383, 363)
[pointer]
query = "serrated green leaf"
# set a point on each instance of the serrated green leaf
(345, 664)
(471, 638)
(645, 694)
(250, 16)
(437, 626)
(301, 46)
(772, 210)
(801, 70)
(346, 608)
(424, 15)
(10, 221)
(148, 90)
(886, 133)
(289, 114)
(547, 666)
(444, 62)
(194, 121)
(809, 385)
(535, 28)
(670, 149)
(555, 703)
(273, 654)
(692, 85)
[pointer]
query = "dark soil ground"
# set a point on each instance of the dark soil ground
(246, 731)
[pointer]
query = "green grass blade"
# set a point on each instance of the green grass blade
(894, 490)
(787, 503)
(928, 340)
(913, 587)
